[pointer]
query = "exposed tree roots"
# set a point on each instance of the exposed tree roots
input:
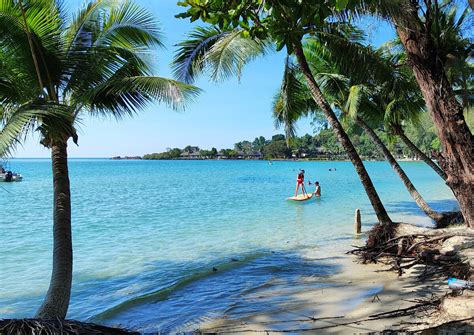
(449, 218)
(55, 326)
(405, 251)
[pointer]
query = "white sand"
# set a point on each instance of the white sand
(359, 292)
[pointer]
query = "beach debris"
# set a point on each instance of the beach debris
(404, 246)
(458, 284)
(421, 305)
(376, 298)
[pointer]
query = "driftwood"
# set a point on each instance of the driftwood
(422, 247)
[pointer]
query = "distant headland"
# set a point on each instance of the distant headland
(322, 146)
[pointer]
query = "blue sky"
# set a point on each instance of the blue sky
(223, 114)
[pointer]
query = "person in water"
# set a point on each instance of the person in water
(317, 191)
(300, 182)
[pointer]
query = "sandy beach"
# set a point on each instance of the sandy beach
(362, 291)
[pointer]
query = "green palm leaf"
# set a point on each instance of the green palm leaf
(189, 59)
(17, 124)
(292, 101)
(125, 96)
(222, 53)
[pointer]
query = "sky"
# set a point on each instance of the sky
(223, 114)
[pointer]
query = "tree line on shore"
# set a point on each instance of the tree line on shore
(333, 73)
(322, 145)
(56, 68)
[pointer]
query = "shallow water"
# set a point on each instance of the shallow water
(147, 234)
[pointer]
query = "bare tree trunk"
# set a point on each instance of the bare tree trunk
(56, 302)
(416, 151)
(457, 158)
(399, 171)
(343, 138)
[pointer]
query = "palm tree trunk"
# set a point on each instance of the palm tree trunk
(56, 302)
(417, 152)
(343, 138)
(399, 171)
(457, 158)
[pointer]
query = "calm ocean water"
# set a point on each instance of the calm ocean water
(147, 234)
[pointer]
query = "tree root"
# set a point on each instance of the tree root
(56, 326)
(449, 218)
(408, 250)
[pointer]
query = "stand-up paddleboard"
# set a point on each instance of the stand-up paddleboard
(301, 197)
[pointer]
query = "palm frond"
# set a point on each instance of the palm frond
(334, 85)
(130, 27)
(231, 52)
(126, 96)
(292, 101)
(357, 93)
(17, 124)
(189, 59)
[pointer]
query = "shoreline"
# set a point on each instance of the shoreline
(263, 160)
(361, 292)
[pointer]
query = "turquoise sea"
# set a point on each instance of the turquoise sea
(162, 245)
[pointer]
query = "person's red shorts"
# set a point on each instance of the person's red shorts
(299, 181)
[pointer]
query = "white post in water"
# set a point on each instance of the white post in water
(357, 222)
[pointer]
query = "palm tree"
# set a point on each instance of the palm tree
(426, 30)
(53, 72)
(357, 102)
(396, 128)
(223, 53)
(402, 101)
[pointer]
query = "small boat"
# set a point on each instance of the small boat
(9, 176)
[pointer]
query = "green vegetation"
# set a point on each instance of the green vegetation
(54, 71)
(170, 154)
(431, 61)
(322, 145)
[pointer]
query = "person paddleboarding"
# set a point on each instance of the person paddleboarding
(300, 182)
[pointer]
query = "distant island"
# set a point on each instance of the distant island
(322, 146)
(126, 158)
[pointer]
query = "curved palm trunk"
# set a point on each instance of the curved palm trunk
(417, 152)
(56, 302)
(398, 169)
(457, 158)
(343, 138)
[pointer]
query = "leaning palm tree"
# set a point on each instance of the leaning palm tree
(223, 53)
(396, 128)
(425, 29)
(368, 109)
(356, 102)
(53, 72)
